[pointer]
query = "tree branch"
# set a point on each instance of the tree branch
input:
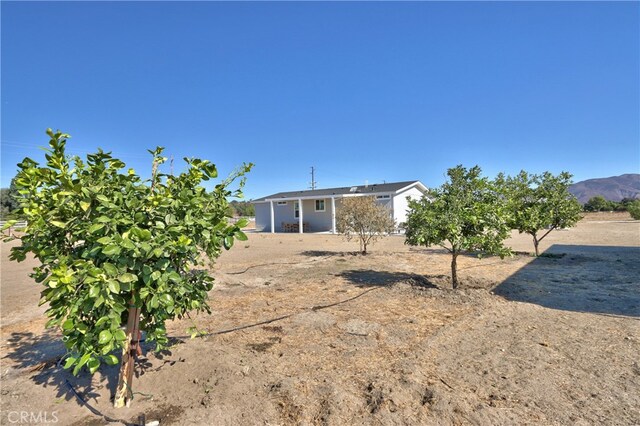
(546, 233)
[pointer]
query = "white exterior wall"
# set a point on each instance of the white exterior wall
(401, 205)
(263, 217)
(317, 221)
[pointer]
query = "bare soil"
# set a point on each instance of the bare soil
(305, 331)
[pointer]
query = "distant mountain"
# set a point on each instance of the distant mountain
(613, 188)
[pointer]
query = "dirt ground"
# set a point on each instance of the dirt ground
(304, 331)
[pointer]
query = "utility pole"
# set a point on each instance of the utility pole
(313, 178)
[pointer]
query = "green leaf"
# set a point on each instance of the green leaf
(119, 335)
(111, 359)
(70, 361)
(58, 223)
(174, 276)
(9, 224)
(228, 242)
(67, 325)
(128, 244)
(153, 303)
(99, 301)
(111, 250)
(241, 236)
(84, 205)
(110, 269)
(104, 240)
(95, 228)
(114, 286)
(93, 365)
(166, 299)
(101, 321)
(127, 278)
(107, 348)
(94, 291)
(104, 337)
(83, 361)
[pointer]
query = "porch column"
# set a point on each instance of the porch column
(272, 218)
(333, 215)
(300, 216)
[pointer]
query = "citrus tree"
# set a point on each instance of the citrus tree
(538, 204)
(115, 250)
(466, 214)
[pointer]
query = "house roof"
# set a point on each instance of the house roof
(378, 188)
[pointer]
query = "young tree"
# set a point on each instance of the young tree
(8, 201)
(115, 249)
(464, 214)
(633, 208)
(243, 208)
(363, 218)
(539, 202)
(598, 204)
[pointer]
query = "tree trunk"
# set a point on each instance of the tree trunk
(454, 271)
(124, 392)
(536, 242)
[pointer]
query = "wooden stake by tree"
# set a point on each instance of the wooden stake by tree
(114, 249)
(363, 218)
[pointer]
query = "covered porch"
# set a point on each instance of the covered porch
(303, 214)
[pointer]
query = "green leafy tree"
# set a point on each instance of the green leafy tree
(598, 204)
(538, 204)
(465, 214)
(362, 218)
(243, 208)
(633, 208)
(115, 249)
(8, 200)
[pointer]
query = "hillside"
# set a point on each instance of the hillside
(613, 188)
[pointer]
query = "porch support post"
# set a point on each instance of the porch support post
(300, 216)
(272, 218)
(333, 215)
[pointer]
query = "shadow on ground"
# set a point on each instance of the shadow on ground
(371, 278)
(597, 279)
(41, 357)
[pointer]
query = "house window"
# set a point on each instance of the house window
(282, 203)
(382, 197)
(296, 210)
(319, 205)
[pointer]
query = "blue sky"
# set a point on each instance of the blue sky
(363, 91)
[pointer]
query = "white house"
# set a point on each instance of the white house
(315, 210)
